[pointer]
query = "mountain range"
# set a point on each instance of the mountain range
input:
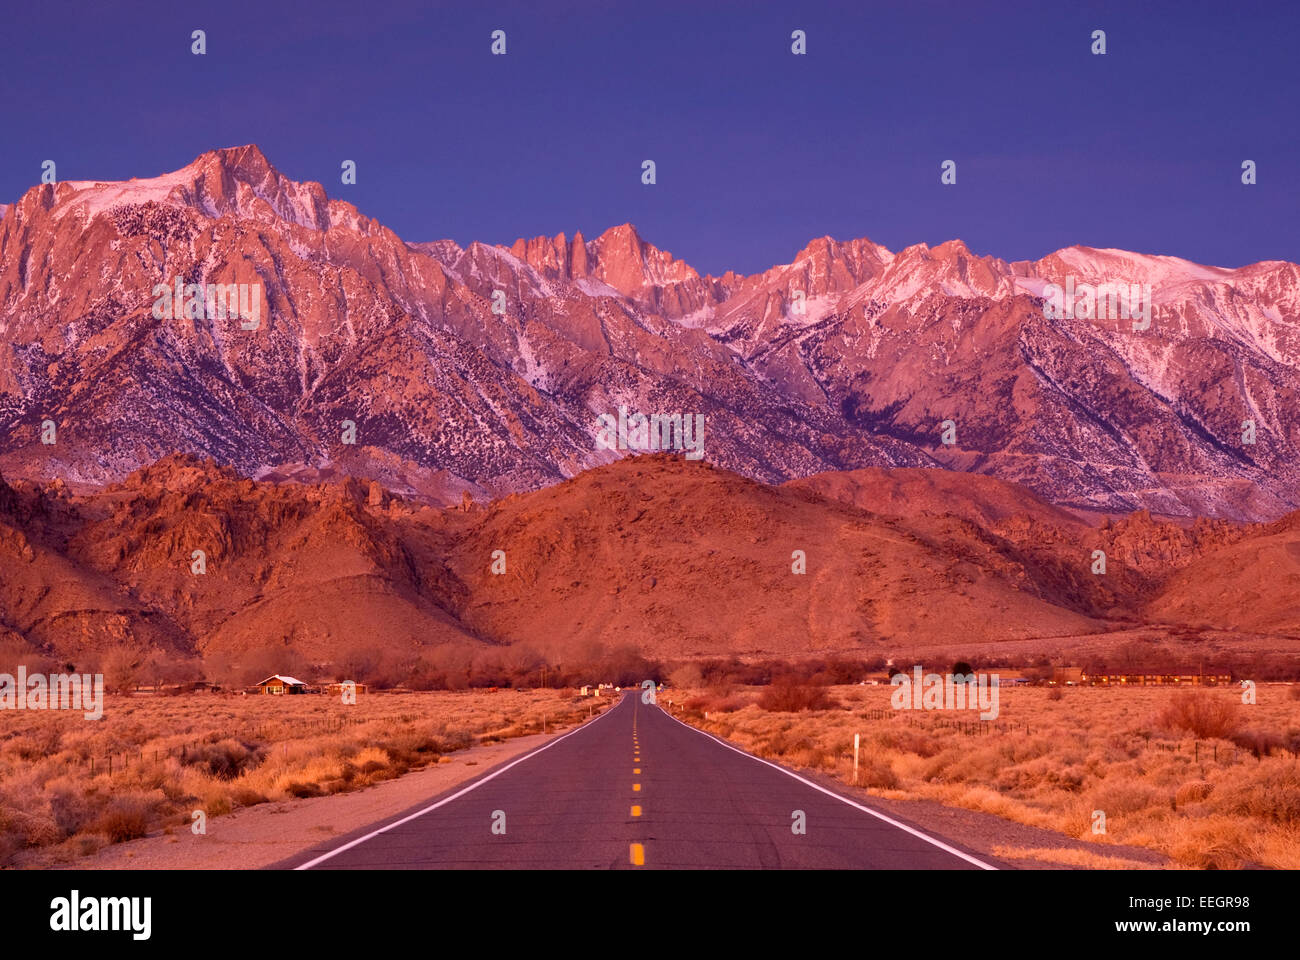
(483, 371)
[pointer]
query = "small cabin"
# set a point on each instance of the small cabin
(199, 686)
(279, 685)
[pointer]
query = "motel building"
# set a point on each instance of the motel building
(1159, 679)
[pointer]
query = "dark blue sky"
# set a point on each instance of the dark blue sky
(757, 150)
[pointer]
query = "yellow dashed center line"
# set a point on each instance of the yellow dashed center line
(636, 851)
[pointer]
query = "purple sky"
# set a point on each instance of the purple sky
(757, 150)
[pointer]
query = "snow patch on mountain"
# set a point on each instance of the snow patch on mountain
(93, 197)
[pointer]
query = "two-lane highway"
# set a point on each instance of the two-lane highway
(635, 788)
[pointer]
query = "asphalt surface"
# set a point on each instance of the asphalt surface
(637, 789)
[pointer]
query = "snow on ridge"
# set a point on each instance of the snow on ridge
(96, 196)
(815, 309)
(700, 318)
(290, 200)
(595, 287)
(1157, 270)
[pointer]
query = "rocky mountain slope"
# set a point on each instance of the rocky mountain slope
(656, 553)
(850, 356)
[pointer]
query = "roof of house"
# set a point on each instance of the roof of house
(292, 681)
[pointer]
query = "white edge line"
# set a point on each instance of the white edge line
(831, 793)
(459, 793)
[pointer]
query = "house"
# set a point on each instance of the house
(199, 686)
(277, 685)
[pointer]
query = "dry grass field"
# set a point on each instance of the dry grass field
(151, 761)
(1200, 777)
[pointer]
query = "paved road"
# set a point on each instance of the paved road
(637, 789)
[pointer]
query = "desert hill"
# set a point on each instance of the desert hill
(665, 556)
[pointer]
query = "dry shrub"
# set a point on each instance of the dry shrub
(785, 697)
(1055, 694)
(73, 811)
(418, 748)
(729, 704)
(247, 797)
(226, 759)
(1193, 792)
(88, 844)
(1273, 794)
(36, 745)
(716, 703)
(907, 740)
(297, 788)
(1260, 743)
(126, 818)
(1215, 843)
(782, 744)
(1203, 716)
(33, 830)
(878, 775)
(814, 757)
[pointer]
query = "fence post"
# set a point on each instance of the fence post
(856, 738)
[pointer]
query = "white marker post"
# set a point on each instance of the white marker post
(856, 738)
